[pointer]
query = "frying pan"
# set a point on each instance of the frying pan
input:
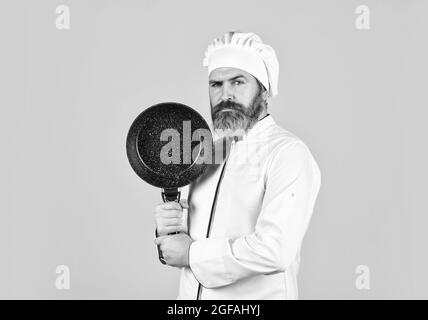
(165, 148)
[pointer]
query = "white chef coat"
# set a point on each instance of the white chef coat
(264, 204)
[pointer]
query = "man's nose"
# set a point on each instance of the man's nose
(227, 93)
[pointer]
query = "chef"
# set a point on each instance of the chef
(242, 222)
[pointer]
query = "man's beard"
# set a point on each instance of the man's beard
(238, 120)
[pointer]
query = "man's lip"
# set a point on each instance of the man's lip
(227, 109)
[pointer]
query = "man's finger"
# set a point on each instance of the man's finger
(169, 214)
(168, 205)
(171, 222)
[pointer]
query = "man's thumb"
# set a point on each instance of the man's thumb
(184, 204)
(160, 239)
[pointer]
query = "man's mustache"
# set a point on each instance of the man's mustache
(228, 105)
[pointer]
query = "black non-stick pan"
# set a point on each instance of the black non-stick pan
(156, 138)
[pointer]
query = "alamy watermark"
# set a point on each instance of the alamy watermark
(62, 281)
(62, 21)
(362, 282)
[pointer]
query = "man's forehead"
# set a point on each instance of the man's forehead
(221, 74)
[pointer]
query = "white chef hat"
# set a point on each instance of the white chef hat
(247, 52)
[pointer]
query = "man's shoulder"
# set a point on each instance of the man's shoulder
(278, 138)
(289, 151)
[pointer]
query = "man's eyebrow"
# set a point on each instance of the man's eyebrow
(231, 79)
(237, 77)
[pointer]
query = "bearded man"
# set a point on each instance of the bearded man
(246, 216)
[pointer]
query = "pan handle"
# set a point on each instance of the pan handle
(168, 194)
(171, 194)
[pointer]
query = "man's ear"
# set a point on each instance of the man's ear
(265, 95)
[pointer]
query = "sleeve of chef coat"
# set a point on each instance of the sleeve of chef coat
(291, 186)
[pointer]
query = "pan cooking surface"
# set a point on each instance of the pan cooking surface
(160, 147)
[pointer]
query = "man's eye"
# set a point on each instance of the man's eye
(238, 82)
(215, 84)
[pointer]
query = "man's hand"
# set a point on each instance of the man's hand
(175, 249)
(169, 217)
